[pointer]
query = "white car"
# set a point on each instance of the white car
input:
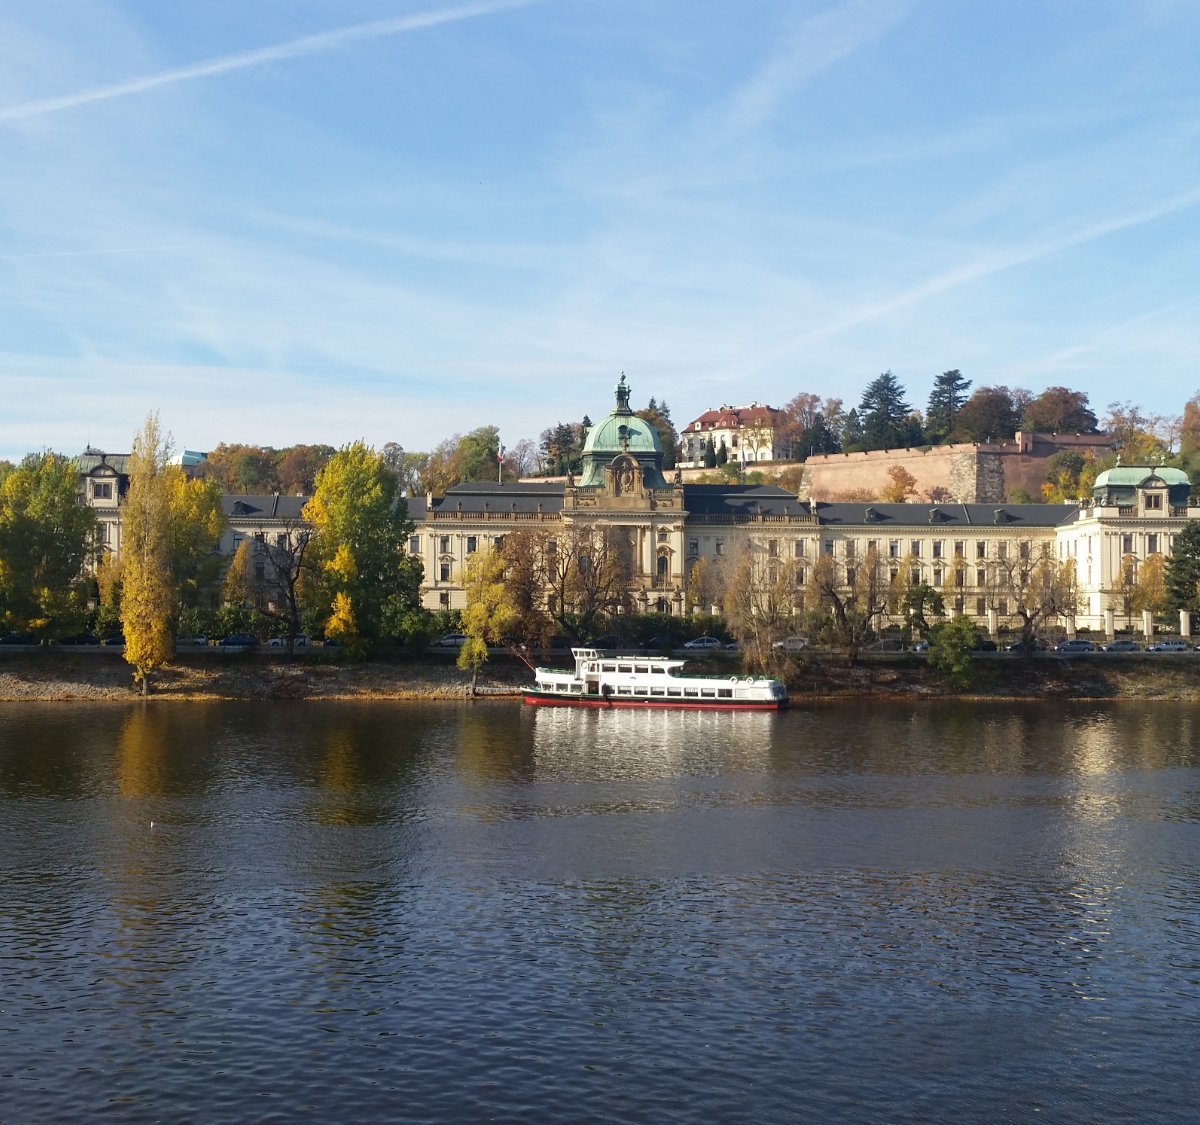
(791, 644)
(450, 640)
(1168, 646)
(299, 641)
(703, 642)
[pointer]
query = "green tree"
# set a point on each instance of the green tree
(1058, 410)
(947, 397)
(990, 414)
(659, 416)
(950, 646)
(489, 614)
(46, 538)
(885, 414)
(360, 526)
(147, 593)
(1182, 577)
(197, 523)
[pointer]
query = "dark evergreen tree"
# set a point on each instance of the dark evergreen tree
(722, 453)
(852, 432)
(884, 413)
(1183, 570)
(710, 454)
(945, 401)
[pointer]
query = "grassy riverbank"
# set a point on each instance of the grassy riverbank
(65, 675)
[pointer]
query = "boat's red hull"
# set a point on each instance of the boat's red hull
(536, 699)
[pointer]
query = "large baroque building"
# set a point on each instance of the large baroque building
(669, 527)
(958, 548)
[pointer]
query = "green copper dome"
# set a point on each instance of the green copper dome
(1120, 484)
(1135, 476)
(622, 432)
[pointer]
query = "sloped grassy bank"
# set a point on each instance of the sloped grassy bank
(64, 675)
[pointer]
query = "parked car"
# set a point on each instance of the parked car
(1019, 646)
(1122, 645)
(450, 640)
(662, 641)
(920, 646)
(733, 646)
(791, 644)
(984, 644)
(1075, 646)
(80, 639)
(300, 640)
(238, 640)
(199, 640)
(609, 640)
(703, 643)
(1168, 646)
(18, 639)
(117, 641)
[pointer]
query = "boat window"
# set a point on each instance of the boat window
(675, 691)
(725, 693)
(658, 671)
(658, 691)
(624, 667)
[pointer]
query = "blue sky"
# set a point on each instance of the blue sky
(318, 220)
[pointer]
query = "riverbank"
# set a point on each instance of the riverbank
(93, 676)
(102, 677)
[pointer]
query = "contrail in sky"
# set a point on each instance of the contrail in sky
(241, 60)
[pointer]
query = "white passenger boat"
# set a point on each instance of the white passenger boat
(600, 680)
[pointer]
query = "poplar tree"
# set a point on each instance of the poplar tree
(147, 595)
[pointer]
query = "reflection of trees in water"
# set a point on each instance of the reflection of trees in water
(364, 767)
(493, 742)
(142, 756)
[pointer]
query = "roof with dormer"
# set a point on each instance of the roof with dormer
(754, 416)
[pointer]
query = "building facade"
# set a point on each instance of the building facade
(967, 551)
(749, 434)
(668, 529)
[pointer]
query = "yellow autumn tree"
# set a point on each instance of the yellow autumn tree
(489, 613)
(903, 485)
(148, 596)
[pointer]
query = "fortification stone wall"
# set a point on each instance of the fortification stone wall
(974, 473)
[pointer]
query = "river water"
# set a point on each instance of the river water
(867, 912)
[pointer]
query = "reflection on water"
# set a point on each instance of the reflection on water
(593, 745)
(903, 913)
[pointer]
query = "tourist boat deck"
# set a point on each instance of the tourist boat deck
(602, 680)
